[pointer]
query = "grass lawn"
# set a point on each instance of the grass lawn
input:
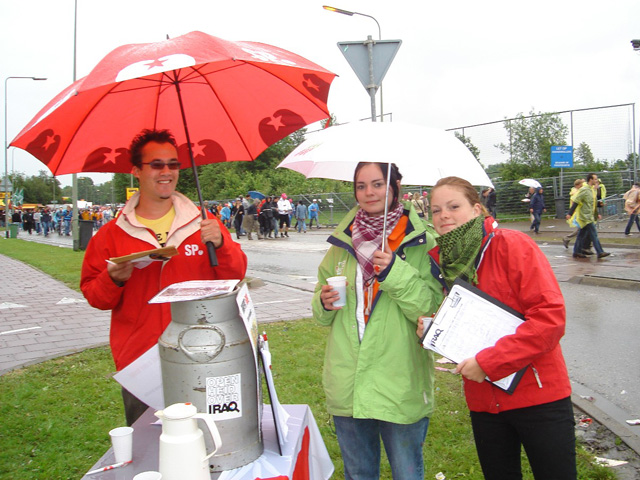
(56, 415)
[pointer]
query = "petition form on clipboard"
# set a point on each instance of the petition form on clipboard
(469, 321)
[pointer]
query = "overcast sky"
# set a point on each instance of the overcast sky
(460, 63)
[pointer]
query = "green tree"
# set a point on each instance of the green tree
(582, 156)
(42, 188)
(122, 181)
(469, 144)
(530, 142)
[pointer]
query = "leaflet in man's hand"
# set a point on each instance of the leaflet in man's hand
(469, 321)
(156, 254)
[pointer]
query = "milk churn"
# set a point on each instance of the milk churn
(207, 359)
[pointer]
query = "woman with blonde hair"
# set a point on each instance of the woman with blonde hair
(509, 266)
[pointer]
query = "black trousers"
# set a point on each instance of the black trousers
(546, 431)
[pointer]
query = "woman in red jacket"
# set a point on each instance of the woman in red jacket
(509, 266)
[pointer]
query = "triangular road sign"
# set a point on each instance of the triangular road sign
(357, 54)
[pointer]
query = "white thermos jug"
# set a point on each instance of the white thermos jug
(182, 451)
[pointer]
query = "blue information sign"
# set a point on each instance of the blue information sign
(562, 157)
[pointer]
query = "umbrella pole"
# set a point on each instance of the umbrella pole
(386, 207)
(213, 258)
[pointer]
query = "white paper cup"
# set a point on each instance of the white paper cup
(339, 284)
(122, 443)
(148, 476)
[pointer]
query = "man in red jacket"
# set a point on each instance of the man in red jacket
(156, 216)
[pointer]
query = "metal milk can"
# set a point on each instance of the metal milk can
(207, 359)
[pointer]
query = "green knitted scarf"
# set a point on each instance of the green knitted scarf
(458, 251)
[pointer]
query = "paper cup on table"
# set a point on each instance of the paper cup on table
(122, 443)
(148, 476)
(339, 284)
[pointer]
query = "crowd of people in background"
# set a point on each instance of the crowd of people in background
(47, 220)
(268, 217)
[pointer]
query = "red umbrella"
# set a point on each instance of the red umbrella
(223, 101)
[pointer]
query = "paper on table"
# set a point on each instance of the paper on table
(467, 323)
(143, 378)
(194, 290)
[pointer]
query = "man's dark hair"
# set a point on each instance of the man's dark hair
(590, 176)
(144, 137)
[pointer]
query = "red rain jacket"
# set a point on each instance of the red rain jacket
(136, 325)
(514, 271)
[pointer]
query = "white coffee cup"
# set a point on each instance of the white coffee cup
(122, 443)
(339, 284)
(148, 476)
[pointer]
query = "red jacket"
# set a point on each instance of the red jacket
(136, 325)
(513, 270)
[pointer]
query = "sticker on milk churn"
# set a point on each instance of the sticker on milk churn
(224, 396)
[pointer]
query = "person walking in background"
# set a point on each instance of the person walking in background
(536, 208)
(37, 215)
(577, 185)
(489, 201)
(45, 219)
(267, 213)
(586, 201)
(27, 221)
(225, 215)
(632, 207)
(68, 216)
(425, 204)
(418, 205)
(301, 216)
(237, 212)
(378, 381)
(284, 214)
(510, 267)
(313, 214)
(250, 223)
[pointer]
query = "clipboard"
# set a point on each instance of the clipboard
(468, 321)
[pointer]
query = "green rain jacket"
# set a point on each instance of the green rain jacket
(585, 200)
(388, 376)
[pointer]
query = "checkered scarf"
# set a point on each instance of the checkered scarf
(366, 236)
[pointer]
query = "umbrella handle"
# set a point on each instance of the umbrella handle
(213, 258)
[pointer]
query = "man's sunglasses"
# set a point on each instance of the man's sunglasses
(159, 164)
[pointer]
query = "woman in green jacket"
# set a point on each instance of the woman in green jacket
(377, 379)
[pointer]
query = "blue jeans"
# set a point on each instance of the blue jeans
(359, 441)
(632, 218)
(587, 232)
(302, 224)
(536, 221)
(546, 431)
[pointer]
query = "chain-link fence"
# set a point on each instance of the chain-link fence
(608, 131)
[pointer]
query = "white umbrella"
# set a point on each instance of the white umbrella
(423, 154)
(530, 182)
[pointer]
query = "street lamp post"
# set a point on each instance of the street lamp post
(6, 149)
(635, 43)
(370, 46)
